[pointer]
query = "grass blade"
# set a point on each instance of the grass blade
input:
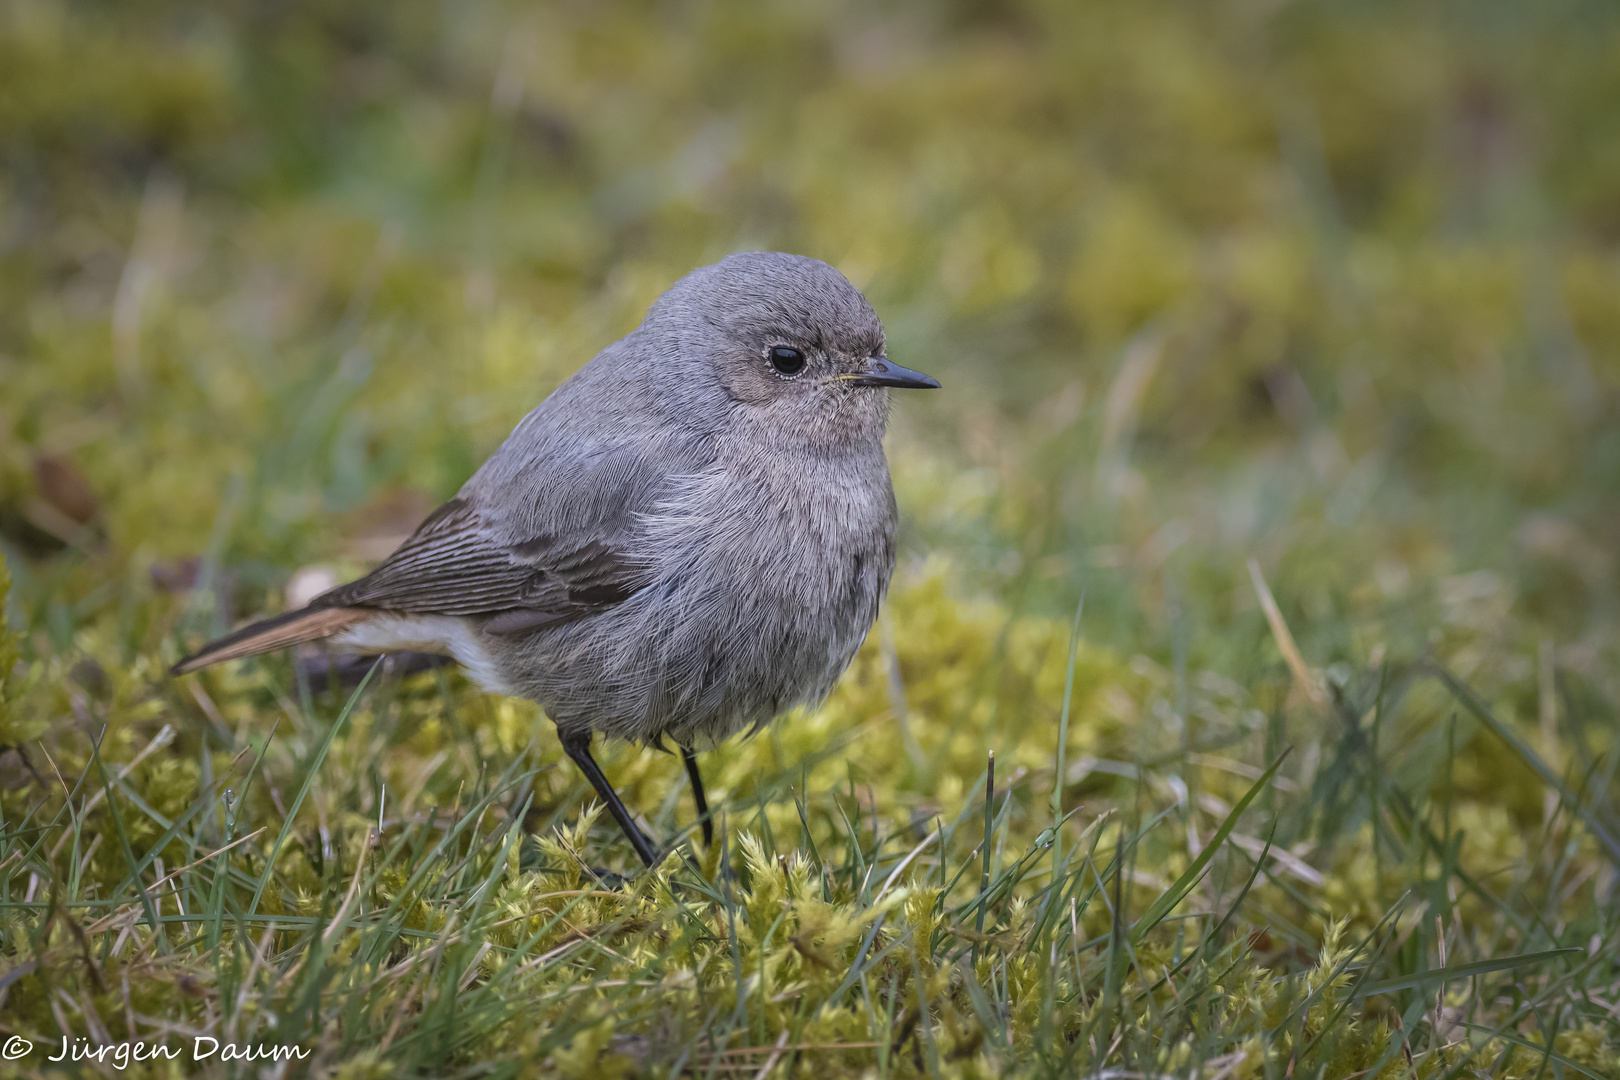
(1462, 971)
(1184, 884)
(1472, 702)
(303, 791)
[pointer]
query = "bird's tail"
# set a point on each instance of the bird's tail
(293, 628)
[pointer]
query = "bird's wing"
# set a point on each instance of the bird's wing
(456, 564)
(529, 543)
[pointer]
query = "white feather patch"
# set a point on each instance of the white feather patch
(444, 634)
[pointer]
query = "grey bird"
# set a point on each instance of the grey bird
(689, 537)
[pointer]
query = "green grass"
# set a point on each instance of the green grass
(1284, 335)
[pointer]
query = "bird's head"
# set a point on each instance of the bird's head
(784, 342)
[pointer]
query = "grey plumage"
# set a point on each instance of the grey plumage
(681, 541)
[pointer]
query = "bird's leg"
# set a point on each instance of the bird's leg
(697, 794)
(578, 747)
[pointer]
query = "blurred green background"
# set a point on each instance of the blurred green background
(1331, 287)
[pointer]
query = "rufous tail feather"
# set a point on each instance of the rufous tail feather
(293, 628)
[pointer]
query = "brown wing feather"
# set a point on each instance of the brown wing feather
(449, 566)
(452, 565)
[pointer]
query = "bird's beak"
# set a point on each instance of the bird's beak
(883, 373)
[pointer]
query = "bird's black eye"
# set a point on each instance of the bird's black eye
(786, 359)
